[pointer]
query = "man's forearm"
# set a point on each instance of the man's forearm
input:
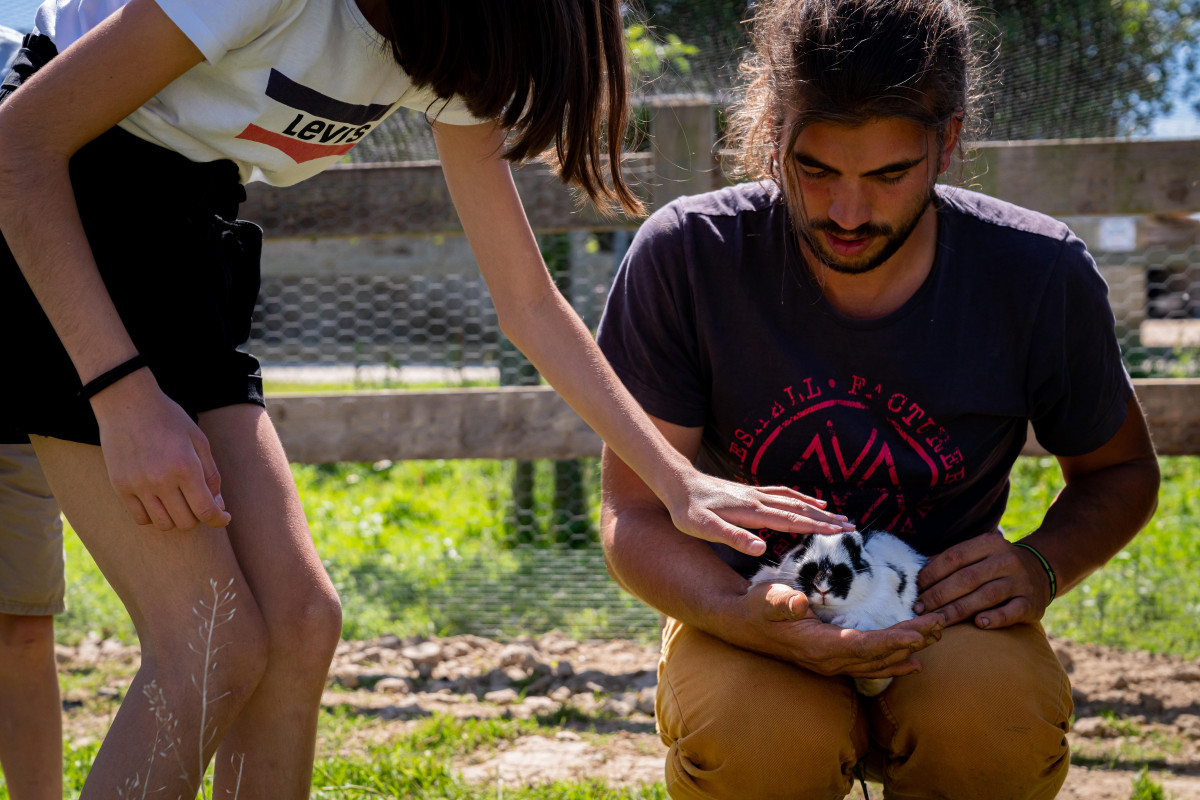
(1095, 516)
(673, 573)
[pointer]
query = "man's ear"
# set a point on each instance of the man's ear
(950, 141)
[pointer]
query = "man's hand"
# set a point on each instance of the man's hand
(988, 578)
(717, 510)
(787, 628)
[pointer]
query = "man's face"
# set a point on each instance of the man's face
(863, 189)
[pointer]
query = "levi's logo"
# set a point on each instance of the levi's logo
(323, 126)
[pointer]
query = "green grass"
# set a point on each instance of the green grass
(427, 547)
(418, 765)
(402, 539)
(1147, 597)
(1146, 788)
(274, 387)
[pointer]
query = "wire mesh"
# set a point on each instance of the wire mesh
(1055, 70)
(353, 312)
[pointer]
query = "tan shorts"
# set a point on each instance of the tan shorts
(31, 537)
(986, 719)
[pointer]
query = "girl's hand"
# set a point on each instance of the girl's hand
(717, 510)
(158, 460)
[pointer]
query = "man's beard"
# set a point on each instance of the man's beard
(894, 238)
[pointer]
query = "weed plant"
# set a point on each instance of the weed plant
(1146, 788)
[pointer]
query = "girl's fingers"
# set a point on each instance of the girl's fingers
(783, 491)
(157, 512)
(721, 532)
(180, 511)
(136, 509)
(204, 497)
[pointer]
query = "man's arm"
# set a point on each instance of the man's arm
(1110, 494)
(683, 577)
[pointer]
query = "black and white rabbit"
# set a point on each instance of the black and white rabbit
(856, 580)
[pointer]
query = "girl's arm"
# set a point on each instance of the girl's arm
(158, 460)
(539, 321)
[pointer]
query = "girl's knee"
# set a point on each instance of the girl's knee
(305, 638)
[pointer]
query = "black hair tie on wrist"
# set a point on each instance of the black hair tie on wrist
(107, 379)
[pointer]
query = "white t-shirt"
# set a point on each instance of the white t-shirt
(286, 89)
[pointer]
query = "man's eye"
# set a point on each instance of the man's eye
(814, 173)
(892, 177)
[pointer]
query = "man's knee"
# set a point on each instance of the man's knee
(742, 725)
(988, 716)
(811, 763)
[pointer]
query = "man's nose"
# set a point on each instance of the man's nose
(849, 208)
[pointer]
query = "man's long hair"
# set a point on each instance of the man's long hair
(847, 62)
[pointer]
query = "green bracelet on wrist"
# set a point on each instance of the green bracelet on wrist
(1045, 565)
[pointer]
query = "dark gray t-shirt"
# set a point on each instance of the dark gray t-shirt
(910, 422)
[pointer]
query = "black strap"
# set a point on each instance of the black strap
(106, 379)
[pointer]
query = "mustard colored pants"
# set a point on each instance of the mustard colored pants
(986, 718)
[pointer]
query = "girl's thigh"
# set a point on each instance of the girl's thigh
(161, 577)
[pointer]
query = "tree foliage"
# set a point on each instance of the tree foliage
(1077, 68)
(1055, 68)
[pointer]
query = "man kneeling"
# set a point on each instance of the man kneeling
(848, 328)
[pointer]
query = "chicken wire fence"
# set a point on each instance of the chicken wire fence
(1074, 69)
(347, 313)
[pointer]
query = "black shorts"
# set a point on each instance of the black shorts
(182, 271)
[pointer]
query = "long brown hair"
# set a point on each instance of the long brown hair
(849, 61)
(551, 72)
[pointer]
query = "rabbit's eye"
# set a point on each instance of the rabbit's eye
(840, 578)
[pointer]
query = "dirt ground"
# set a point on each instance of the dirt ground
(1132, 709)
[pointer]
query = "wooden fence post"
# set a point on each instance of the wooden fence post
(683, 130)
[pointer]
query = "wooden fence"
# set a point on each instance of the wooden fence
(1060, 178)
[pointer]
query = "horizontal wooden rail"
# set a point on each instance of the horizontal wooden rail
(1060, 178)
(534, 422)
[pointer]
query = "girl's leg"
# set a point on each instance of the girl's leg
(273, 738)
(200, 664)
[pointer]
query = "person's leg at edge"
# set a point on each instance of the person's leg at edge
(986, 718)
(166, 580)
(739, 724)
(277, 728)
(31, 592)
(30, 708)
